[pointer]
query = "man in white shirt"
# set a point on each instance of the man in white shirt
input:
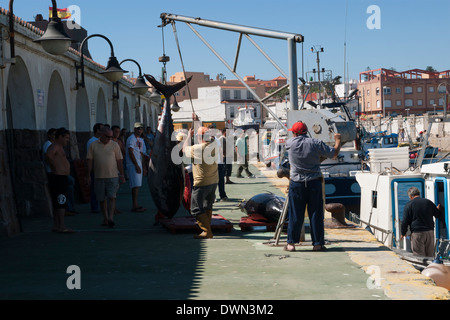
(133, 155)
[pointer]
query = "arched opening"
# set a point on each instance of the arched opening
(145, 116)
(57, 116)
(82, 117)
(126, 115)
(101, 114)
(115, 115)
(24, 143)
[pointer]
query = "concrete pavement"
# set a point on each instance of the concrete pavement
(137, 260)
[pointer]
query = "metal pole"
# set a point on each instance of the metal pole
(293, 80)
(168, 17)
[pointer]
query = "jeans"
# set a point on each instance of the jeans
(301, 195)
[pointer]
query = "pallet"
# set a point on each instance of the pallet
(248, 224)
(188, 223)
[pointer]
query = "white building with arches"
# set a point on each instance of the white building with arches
(38, 92)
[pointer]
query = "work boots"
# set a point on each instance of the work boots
(204, 222)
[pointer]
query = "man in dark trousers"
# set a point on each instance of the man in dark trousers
(418, 216)
(305, 156)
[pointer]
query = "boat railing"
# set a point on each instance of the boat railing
(356, 219)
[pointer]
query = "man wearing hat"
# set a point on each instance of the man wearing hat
(305, 190)
(134, 160)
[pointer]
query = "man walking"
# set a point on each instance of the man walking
(305, 156)
(105, 158)
(418, 216)
(243, 156)
(58, 178)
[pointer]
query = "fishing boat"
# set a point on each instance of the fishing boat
(245, 119)
(340, 182)
(384, 194)
(381, 140)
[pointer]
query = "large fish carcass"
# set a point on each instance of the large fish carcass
(165, 179)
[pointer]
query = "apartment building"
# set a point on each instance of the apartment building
(202, 80)
(385, 92)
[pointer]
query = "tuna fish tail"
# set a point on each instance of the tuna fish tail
(166, 90)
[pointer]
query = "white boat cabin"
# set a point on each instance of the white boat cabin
(384, 194)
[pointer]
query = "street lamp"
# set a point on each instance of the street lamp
(113, 71)
(140, 86)
(54, 41)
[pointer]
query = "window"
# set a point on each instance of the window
(398, 90)
(408, 90)
(387, 90)
(420, 102)
(237, 94)
(368, 105)
(249, 95)
(398, 103)
(387, 103)
(368, 92)
(378, 91)
(232, 115)
(432, 102)
(431, 89)
(409, 102)
(378, 104)
(419, 89)
(226, 94)
(442, 89)
(441, 102)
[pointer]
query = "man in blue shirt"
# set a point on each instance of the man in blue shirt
(305, 156)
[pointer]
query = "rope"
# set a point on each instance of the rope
(182, 65)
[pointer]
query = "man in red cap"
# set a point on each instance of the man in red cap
(305, 190)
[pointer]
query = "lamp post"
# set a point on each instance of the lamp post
(140, 87)
(113, 71)
(55, 40)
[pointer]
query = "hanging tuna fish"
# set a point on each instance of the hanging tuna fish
(165, 179)
(265, 206)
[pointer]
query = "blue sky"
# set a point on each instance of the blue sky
(413, 34)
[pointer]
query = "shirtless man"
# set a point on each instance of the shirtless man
(58, 178)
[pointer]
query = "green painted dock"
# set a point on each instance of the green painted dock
(138, 260)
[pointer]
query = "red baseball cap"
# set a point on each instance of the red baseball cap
(299, 128)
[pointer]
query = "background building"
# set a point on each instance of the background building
(387, 92)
